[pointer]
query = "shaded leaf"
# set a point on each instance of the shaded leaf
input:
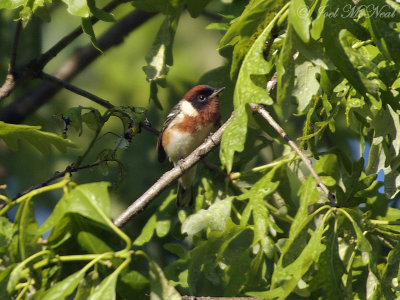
(89, 200)
(160, 288)
(64, 288)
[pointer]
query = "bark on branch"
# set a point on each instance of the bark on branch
(170, 176)
(18, 110)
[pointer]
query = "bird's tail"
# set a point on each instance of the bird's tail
(184, 195)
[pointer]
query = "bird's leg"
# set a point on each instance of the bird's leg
(179, 163)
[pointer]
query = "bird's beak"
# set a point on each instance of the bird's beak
(216, 92)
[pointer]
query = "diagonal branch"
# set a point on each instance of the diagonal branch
(76, 90)
(265, 114)
(56, 175)
(17, 111)
(43, 59)
(65, 84)
(170, 176)
(36, 65)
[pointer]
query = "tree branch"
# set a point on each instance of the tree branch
(265, 114)
(17, 111)
(76, 90)
(62, 83)
(56, 175)
(36, 65)
(11, 78)
(43, 59)
(170, 176)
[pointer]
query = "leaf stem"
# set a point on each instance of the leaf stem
(26, 287)
(265, 114)
(236, 175)
(34, 193)
(68, 258)
(284, 13)
(384, 222)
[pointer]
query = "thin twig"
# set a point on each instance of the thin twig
(11, 78)
(93, 97)
(170, 176)
(43, 59)
(265, 114)
(18, 110)
(76, 90)
(56, 175)
(37, 64)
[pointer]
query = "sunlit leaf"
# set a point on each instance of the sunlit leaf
(214, 217)
(12, 134)
(78, 8)
(246, 91)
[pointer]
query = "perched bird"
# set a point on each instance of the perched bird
(190, 121)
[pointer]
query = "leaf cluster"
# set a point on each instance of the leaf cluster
(328, 70)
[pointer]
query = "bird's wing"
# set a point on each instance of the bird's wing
(160, 149)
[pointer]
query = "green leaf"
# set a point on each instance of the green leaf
(93, 119)
(12, 134)
(286, 75)
(160, 288)
(106, 289)
(214, 217)
(175, 249)
(196, 7)
(91, 242)
(89, 200)
(391, 271)
(147, 232)
(243, 30)
(362, 242)
(64, 288)
(87, 28)
(286, 277)
(4, 278)
(11, 4)
(334, 49)
(246, 91)
(25, 234)
(99, 13)
(87, 285)
(160, 55)
(73, 117)
(159, 222)
(133, 283)
(306, 82)
(262, 188)
(385, 38)
(330, 269)
(203, 261)
(6, 231)
(308, 195)
(78, 8)
(300, 20)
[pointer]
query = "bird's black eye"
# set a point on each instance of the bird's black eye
(202, 97)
